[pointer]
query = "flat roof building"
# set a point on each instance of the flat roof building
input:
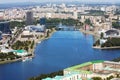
(97, 68)
(88, 70)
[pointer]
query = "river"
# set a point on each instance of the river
(63, 49)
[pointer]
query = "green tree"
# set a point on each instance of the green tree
(43, 76)
(18, 24)
(109, 78)
(87, 21)
(26, 48)
(116, 25)
(97, 78)
(101, 35)
(97, 43)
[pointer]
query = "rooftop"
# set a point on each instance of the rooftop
(19, 51)
(84, 64)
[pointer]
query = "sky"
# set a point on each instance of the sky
(14, 1)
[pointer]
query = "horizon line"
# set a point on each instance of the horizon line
(84, 2)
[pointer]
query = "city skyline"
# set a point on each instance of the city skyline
(59, 39)
(99, 1)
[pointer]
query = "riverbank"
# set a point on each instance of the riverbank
(109, 43)
(50, 34)
(15, 60)
(43, 76)
(31, 51)
(10, 61)
(102, 48)
(42, 39)
(116, 59)
(90, 32)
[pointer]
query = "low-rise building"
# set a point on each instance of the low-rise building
(20, 52)
(88, 70)
(112, 33)
(17, 52)
(98, 68)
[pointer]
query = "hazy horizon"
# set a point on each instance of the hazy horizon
(90, 1)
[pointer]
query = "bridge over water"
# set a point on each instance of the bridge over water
(66, 28)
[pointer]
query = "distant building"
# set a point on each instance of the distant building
(87, 27)
(5, 28)
(27, 34)
(75, 14)
(31, 31)
(29, 18)
(37, 28)
(49, 15)
(1, 15)
(112, 33)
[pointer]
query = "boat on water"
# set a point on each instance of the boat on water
(26, 59)
(39, 42)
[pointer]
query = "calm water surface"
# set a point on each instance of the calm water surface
(63, 49)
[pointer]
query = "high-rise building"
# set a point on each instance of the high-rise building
(29, 18)
(5, 28)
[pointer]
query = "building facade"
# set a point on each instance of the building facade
(88, 70)
(29, 18)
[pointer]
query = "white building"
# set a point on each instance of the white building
(20, 52)
(75, 14)
(87, 71)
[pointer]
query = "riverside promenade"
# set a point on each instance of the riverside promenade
(31, 51)
(103, 48)
(90, 32)
(97, 35)
(14, 60)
